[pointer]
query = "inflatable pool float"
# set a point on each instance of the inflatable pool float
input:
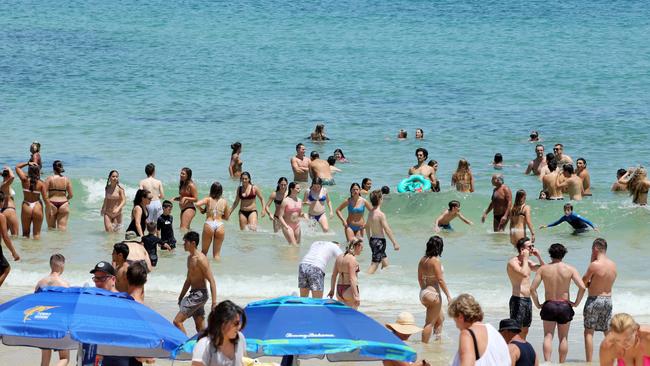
(414, 183)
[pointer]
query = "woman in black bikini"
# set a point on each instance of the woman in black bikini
(276, 197)
(8, 206)
(139, 212)
(188, 194)
(59, 193)
(344, 278)
(246, 193)
(31, 214)
(520, 218)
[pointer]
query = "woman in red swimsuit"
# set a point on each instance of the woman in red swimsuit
(59, 194)
(344, 275)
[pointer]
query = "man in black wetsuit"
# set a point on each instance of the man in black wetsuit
(521, 352)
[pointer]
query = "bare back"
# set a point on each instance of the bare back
(600, 277)
(52, 280)
(549, 182)
(152, 185)
(320, 169)
(557, 280)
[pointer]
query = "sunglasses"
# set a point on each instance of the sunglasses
(101, 278)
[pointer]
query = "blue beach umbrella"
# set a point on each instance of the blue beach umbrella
(309, 327)
(64, 318)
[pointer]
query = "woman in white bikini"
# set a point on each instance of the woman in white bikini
(114, 202)
(431, 280)
(59, 194)
(31, 214)
(520, 218)
(216, 209)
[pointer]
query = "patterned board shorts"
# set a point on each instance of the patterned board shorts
(192, 304)
(521, 310)
(310, 277)
(597, 313)
(378, 248)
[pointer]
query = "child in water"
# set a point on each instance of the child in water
(444, 220)
(165, 226)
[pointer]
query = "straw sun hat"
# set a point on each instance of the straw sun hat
(404, 324)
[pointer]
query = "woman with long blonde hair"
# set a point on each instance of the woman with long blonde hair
(637, 184)
(462, 178)
(627, 343)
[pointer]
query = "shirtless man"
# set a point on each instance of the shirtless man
(618, 186)
(319, 168)
(5, 268)
(599, 280)
(535, 166)
(198, 272)
(120, 254)
(519, 269)
(137, 251)
(154, 186)
(572, 183)
(583, 173)
(300, 165)
(376, 227)
(444, 220)
(549, 182)
(422, 168)
(57, 266)
(560, 157)
(557, 310)
(500, 204)
(136, 277)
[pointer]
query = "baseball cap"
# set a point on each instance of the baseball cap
(104, 267)
(509, 324)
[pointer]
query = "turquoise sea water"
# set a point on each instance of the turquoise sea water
(115, 85)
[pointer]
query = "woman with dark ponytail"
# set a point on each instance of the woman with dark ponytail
(59, 194)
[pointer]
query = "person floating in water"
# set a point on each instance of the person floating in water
(579, 223)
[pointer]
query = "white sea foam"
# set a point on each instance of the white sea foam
(95, 189)
(379, 294)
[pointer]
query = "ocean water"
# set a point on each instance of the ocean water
(118, 85)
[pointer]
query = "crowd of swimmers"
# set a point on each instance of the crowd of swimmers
(151, 227)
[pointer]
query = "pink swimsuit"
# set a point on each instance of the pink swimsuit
(646, 361)
(297, 208)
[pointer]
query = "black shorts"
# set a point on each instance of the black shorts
(521, 310)
(560, 312)
(4, 264)
(378, 248)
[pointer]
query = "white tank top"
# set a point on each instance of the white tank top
(496, 353)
